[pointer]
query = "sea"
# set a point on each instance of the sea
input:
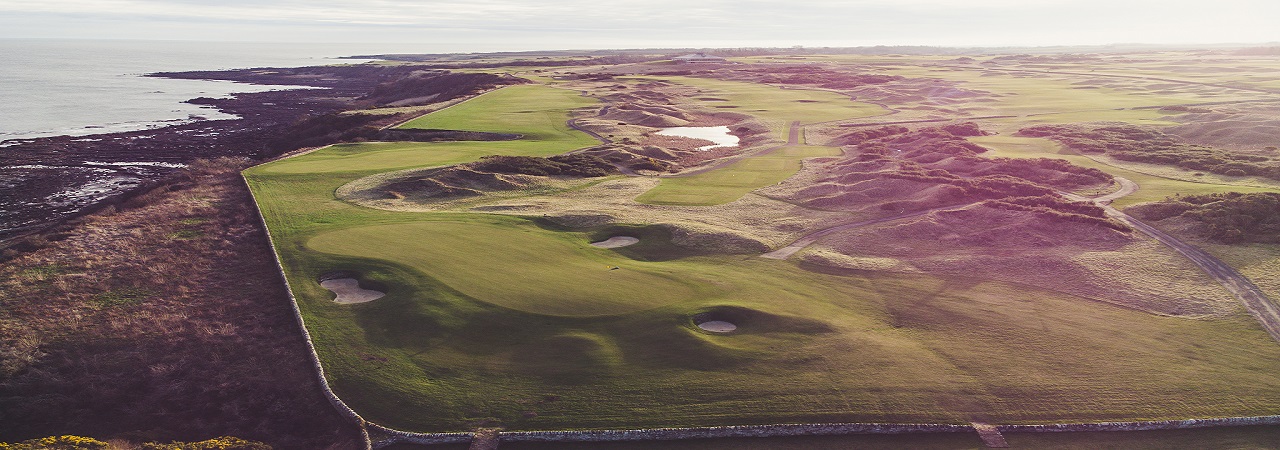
(51, 87)
(82, 87)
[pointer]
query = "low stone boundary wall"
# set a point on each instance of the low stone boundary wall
(667, 434)
(306, 335)
(1142, 426)
(406, 437)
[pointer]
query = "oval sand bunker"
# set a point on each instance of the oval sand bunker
(349, 291)
(616, 241)
(717, 326)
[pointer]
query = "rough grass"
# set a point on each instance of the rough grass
(1029, 94)
(729, 183)
(117, 331)
(1152, 186)
(774, 106)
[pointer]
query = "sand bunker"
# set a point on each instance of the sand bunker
(717, 326)
(349, 291)
(616, 241)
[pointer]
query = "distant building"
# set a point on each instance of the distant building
(698, 58)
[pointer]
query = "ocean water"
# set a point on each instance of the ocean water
(80, 87)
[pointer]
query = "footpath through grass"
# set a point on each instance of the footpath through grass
(507, 321)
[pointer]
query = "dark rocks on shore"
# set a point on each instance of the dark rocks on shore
(47, 180)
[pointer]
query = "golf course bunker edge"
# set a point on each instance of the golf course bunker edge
(346, 288)
(715, 322)
(616, 242)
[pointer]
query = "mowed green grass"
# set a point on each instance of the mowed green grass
(535, 111)
(492, 320)
(774, 106)
(542, 273)
(810, 347)
(1150, 187)
(729, 183)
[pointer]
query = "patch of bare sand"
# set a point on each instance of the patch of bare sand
(348, 291)
(616, 242)
(718, 326)
(1126, 269)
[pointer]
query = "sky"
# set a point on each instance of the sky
(495, 25)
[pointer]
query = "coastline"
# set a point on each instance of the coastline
(54, 179)
(48, 180)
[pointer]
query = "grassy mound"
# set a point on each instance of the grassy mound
(1043, 249)
(1132, 143)
(1231, 218)
(490, 175)
(898, 170)
(573, 165)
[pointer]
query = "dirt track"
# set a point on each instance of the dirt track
(1262, 308)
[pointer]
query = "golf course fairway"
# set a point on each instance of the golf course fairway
(493, 320)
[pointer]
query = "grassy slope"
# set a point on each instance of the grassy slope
(1151, 187)
(731, 182)
(1056, 96)
(448, 348)
(162, 319)
(1046, 98)
(777, 107)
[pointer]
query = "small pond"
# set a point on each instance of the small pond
(719, 135)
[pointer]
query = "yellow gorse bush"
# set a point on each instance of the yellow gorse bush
(56, 443)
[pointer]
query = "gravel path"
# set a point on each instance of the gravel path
(1254, 300)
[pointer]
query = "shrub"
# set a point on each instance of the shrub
(1132, 143)
(1230, 217)
(56, 443)
(576, 164)
(220, 443)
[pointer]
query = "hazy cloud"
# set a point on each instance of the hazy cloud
(603, 23)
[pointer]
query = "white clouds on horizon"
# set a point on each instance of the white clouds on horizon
(602, 23)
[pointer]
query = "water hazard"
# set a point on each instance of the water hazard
(719, 135)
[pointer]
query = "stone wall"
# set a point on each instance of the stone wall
(1142, 426)
(315, 358)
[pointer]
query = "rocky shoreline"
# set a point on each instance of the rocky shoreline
(44, 181)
